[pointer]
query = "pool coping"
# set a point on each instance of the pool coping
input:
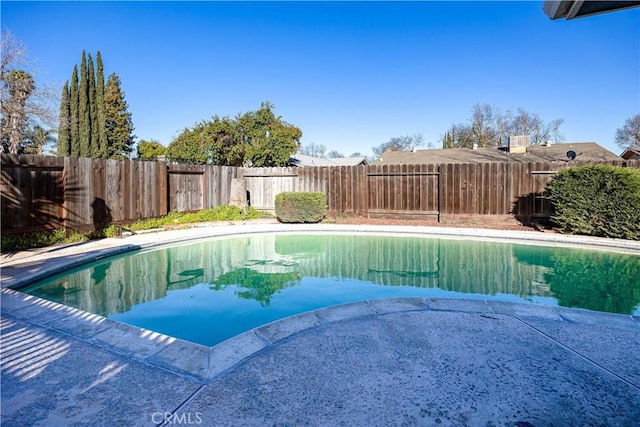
(204, 363)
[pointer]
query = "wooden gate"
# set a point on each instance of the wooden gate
(264, 184)
(403, 191)
(33, 193)
(539, 204)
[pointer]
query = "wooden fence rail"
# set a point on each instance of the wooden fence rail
(86, 194)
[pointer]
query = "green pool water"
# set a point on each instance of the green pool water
(209, 291)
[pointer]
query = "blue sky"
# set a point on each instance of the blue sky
(350, 75)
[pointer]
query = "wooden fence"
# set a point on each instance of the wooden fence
(85, 194)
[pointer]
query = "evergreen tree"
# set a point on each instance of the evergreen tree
(74, 103)
(150, 150)
(64, 134)
(84, 109)
(100, 113)
(119, 127)
(99, 126)
(94, 144)
(256, 138)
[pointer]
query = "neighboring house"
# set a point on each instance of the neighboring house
(302, 160)
(585, 151)
(631, 153)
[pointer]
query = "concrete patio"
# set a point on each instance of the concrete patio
(380, 362)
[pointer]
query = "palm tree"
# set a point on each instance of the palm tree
(19, 85)
(39, 139)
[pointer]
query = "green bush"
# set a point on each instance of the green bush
(219, 213)
(301, 207)
(597, 200)
(38, 239)
(24, 241)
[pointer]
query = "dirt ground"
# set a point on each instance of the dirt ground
(489, 221)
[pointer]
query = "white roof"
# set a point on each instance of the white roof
(304, 160)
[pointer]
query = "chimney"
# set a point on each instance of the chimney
(519, 144)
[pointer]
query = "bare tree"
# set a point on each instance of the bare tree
(490, 127)
(402, 143)
(24, 103)
(483, 125)
(313, 150)
(334, 154)
(526, 123)
(629, 134)
(458, 136)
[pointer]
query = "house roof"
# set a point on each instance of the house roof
(585, 151)
(570, 9)
(631, 153)
(302, 160)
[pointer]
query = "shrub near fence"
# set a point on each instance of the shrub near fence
(84, 194)
(301, 207)
(597, 200)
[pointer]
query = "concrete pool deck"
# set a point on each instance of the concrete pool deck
(380, 362)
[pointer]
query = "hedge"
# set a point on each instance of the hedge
(597, 200)
(301, 207)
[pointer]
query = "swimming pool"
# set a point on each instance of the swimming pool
(214, 289)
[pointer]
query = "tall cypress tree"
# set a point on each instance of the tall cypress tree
(84, 109)
(100, 113)
(64, 126)
(74, 107)
(118, 120)
(94, 144)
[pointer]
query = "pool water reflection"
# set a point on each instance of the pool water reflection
(211, 290)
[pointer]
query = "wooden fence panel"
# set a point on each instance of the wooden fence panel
(515, 171)
(208, 187)
(267, 189)
(384, 185)
(146, 195)
(264, 184)
(145, 198)
(100, 209)
(401, 191)
(449, 189)
(12, 196)
(472, 189)
(32, 192)
(376, 199)
(149, 183)
(215, 186)
(116, 188)
(501, 189)
(78, 193)
(303, 183)
(83, 194)
(186, 188)
(337, 184)
(346, 196)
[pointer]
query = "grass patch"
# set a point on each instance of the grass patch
(219, 213)
(40, 239)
